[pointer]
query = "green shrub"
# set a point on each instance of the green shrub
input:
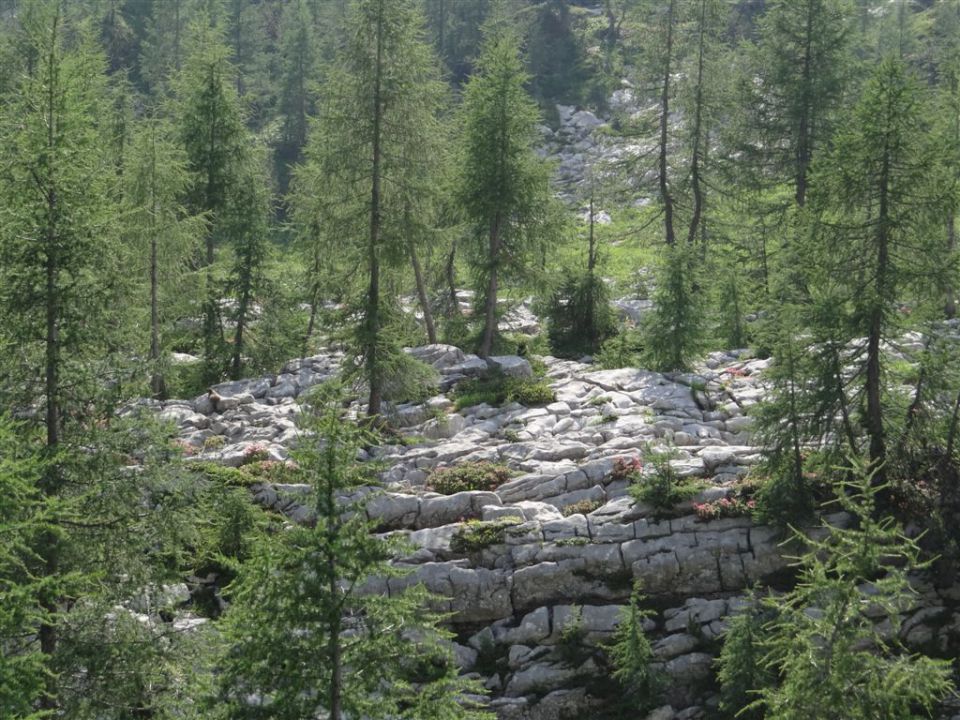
(663, 489)
(632, 655)
(582, 507)
(465, 476)
(222, 475)
(785, 498)
(477, 535)
(498, 389)
(741, 670)
(407, 379)
(572, 642)
(622, 350)
(579, 315)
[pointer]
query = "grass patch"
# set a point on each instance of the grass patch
(498, 389)
(468, 476)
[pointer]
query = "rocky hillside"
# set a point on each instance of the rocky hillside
(535, 572)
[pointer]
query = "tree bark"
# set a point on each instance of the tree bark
(665, 195)
(374, 371)
(50, 542)
(804, 149)
(874, 418)
(422, 295)
(697, 130)
(451, 273)
(490, 309)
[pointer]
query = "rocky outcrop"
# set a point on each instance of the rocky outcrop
(533, 603)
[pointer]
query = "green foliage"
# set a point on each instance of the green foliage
(673, 332)
(407, 379)
(632, 654)
(370, 167)
(22, 665)
(740, 668)
(579, 315)
(572, 641)
(477, 535)
(480, 475)
(498, 389)
(662, 488)
(504, 186)
(622, 350)
(302, 590)
(581, 507)
(823, 647)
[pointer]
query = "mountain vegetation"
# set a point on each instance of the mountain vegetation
(193, 192)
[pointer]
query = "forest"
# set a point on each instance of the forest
(515, 359)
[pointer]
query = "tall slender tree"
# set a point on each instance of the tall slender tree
(212, 132)
(881, 195)
(366, 169)
(166, 235)
(504, 187)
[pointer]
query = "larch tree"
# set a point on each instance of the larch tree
(504, 184)
(880, 198)
(803, 64)
(821, 647)
(339, 631)
(366, 170)
(211, 129)
(245, 226)
(166, 235)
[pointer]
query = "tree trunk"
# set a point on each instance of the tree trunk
(874, 418)
(422, 295)
(451, 274)
(157, 383)
(950, 306)
(50, 541)
(236, 364)
(804, 149)
(665, 195)
(374, 371)
(490, 309)
(697, 130)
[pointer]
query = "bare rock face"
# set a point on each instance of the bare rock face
(533, 603)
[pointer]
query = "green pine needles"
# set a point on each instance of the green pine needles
(834, 640)
(321, 622)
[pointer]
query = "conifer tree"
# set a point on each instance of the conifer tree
(326, 641)
(879, 201)
(212, 132)
(504, 188)
(366, 169)
(824, 649)
(804, 59)
(167, 237)
(245, 225)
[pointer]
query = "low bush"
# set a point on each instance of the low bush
(476, 535)
(468, 476)
(663, 489)
(498, 389)
(622, 350)
(583, 507)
